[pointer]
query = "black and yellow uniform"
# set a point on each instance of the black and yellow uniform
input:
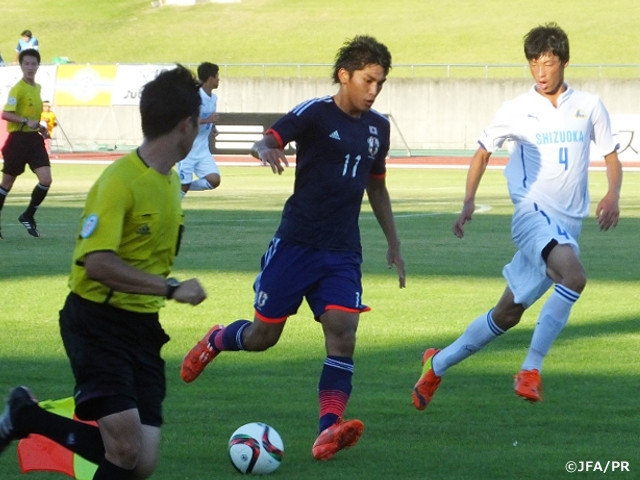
(24, 100)
(24, 145)
(134, 211)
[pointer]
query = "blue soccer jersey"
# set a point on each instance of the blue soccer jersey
(336, 154)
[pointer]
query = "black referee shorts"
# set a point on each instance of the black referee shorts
(22, 149)
(115, 358)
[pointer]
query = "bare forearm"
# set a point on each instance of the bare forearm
(476, 170)
(614, 173)
(110, 270)
(381, 206)
(15, 118)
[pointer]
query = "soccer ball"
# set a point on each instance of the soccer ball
(256, 448)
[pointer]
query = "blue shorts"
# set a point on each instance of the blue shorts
(328, 280)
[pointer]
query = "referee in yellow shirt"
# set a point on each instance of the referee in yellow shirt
(25, 143)
(126, 242)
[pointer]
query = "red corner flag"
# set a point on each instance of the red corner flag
(39, 453)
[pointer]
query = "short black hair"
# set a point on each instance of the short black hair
(206, 70)
(26, 33)
(166, 100)
(360, 51)
(29, 52)
(548, 38)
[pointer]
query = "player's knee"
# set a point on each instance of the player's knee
(214, 180)
(575, 280)
(506, 318)
(145, 468)
(342, 345)
(124, 454)
(44, 177)
(570, 274)
(7, 185)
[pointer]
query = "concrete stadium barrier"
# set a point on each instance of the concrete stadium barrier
(426, 113)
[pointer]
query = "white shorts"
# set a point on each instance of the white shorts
(199, 162)
(532, 228)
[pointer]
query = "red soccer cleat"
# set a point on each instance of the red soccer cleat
(199, 357)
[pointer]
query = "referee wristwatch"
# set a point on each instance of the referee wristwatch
(172, 285)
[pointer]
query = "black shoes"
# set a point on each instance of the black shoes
(30, 224)
(19, 398)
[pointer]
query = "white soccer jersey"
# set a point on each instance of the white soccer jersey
(199, 161)
(549, 153)
(208, 106)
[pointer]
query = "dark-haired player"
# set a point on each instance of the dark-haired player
(316, 253)
(125, 247)
(550, 128)
(199, 161)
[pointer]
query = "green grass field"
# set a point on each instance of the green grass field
(475, 428)
(307, 31)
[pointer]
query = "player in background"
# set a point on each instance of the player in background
(316, 253)
(25, 143)
(550, 129)
(199, 161)
(125, 247)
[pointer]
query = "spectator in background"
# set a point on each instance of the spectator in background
(48, 119)
(27, 41)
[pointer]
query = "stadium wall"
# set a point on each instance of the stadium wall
(426, 114)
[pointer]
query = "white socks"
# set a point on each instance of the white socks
(478, 334)
(200, 184)
(553, 317)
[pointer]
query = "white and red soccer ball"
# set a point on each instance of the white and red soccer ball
(256, 448)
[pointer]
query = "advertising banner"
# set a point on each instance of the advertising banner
(85, 84)
(130, 79)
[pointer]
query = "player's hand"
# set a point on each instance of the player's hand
(190, 291)
(275, 158)
(394, 257)
(465, 216)
(41, 127)
(608, 212)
